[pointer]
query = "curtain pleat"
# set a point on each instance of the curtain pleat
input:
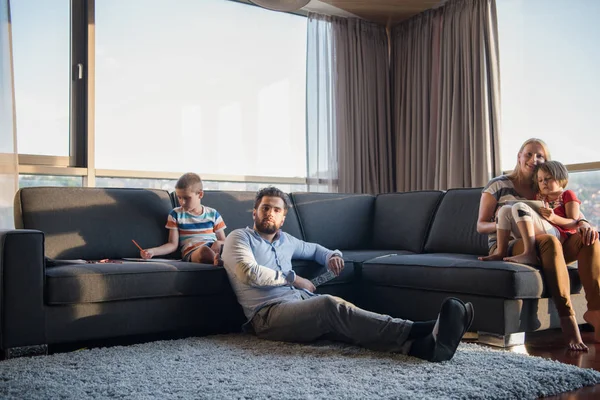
(322, 156)
(358, 96)
(446, 97)
(363, 107)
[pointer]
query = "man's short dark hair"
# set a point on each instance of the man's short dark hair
(272, 191)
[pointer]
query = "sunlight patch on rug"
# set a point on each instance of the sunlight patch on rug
(243, 367)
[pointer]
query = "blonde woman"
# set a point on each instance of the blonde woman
(583, 247)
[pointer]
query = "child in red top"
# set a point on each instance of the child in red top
(558, 216)
(561, 206)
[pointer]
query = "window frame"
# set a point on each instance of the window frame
(81, 162)
(81, 159)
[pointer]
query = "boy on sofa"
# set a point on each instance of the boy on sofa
(198, 230)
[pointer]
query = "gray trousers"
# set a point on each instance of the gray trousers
(333, 318)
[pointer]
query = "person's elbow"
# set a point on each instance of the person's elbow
(481, 228)
(169, 247)
(245, 274)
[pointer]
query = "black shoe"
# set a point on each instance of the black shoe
(453, 321)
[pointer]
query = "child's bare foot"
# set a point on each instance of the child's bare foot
(492, 257)
(571, 334)
(592, 317)
(524, 258)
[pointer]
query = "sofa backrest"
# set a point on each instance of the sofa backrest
(454, 228)
(94, 223)
(236, 210)
(335, 220)
(402, 220)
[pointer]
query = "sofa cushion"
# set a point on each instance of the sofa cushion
(461, 273)
(402, 220)
(336, 221)
(454, 228)
(99, 282)
(236, 210)
(360, 256)
(94, 223)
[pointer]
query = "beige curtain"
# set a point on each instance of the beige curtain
(348, 97)
(446, 97)
(8, 144)
(362, 106)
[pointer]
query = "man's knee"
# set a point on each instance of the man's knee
(332, 305)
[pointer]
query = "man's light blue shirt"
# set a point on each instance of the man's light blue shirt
(261, 272)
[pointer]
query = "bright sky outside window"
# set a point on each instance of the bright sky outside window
(208, 86)
(549, 63)
(40, 34)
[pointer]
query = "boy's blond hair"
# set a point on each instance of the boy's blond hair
(556, 170)
(190, 180)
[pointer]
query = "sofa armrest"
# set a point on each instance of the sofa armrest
(22, 276)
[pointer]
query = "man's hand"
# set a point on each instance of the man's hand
(301, 283)
(336, 264)
(589, 235)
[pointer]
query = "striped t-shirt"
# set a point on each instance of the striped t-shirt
(195, 230)
(503, 189)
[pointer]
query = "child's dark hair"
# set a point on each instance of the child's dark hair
(189, 180)
(555, 169)
(272, 191)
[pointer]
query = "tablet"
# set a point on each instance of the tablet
(535, 204)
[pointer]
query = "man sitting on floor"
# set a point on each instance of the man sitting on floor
(281, 305)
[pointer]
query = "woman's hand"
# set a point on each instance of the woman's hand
(589, 234)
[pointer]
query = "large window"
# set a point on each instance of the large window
(49, 180)
(41, 40)
(210, 86)
(169, 184)
(549, 63)
(587, 187)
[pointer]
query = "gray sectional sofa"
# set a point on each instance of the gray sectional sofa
(404, 252)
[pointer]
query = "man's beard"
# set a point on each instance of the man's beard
(266, 227)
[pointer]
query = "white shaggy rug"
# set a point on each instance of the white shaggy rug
(239, 366)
